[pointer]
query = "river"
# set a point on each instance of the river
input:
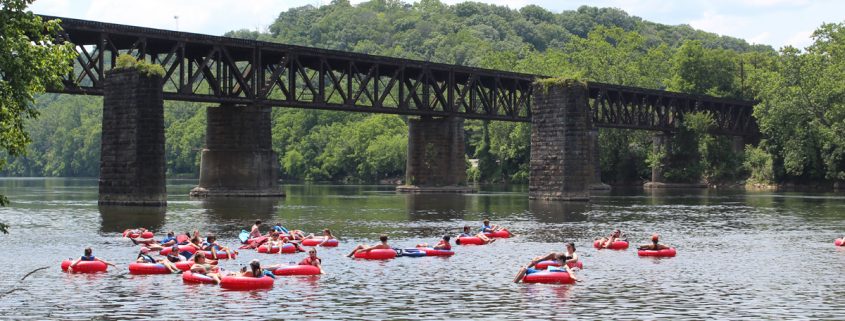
(753, 255)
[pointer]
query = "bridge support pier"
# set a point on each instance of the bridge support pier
(238, 159)
(436, 156)
(560, 143)
(132, 171)
(596, 183)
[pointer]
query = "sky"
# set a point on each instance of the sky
(771, 22)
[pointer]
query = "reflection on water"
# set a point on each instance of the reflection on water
(119, 218)
(736, 255)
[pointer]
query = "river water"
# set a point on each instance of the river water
(740, 255)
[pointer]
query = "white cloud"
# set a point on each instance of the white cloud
(800, 39)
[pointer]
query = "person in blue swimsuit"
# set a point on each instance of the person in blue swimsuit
(565, 259)
(279, 228)
(486, 227)
(256, 271)
(87, 256)
(468, 233)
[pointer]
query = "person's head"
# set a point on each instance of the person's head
(199, 258)
(257, 222)
(195, 240)
(383, 238)
(655, 238)
(274, 235)
(327, 232)
(174, 250)
(466, 228)
(144, 250)
(617, 233)
(279, 224)
(88, 251)
(255, 266)
(486, 221)
(446, 238)
(570, 247)
(170, 234)
(211, 238)
(312, 253)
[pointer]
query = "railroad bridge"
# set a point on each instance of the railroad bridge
(247, 78)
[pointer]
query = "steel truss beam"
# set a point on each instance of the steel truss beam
(204, 68)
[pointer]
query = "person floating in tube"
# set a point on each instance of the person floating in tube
(86, 257)
(565, 259)
(443, 245)
(481, 236)
(606, 242)
(365, 248)
(654, 245)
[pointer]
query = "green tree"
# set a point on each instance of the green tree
(30, 61)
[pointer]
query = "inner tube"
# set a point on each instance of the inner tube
(838, 242)
(317, 241)
(191, 277)
(148, 268)
(246, 283)
(147, 235)
(297, 270)
(469, 240)
(504, 233)
(184, 265)
(549, 277)
(130, 234)
(221, 255)
(181, 238)
(670, 252)
(377, 254)
(542, 265)
(414, 252)
(267, 249)
(85, 266)
(616, 245)
(432, 252)
(182, 248)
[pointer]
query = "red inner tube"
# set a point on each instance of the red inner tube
(616, 245)
(501, 234)
(317, 241)
(148, 268)
(191, 277)
(377, 254)
(548, 277)
(184, 265)
(246, 283)
(297, 270)
(85, 266)
(432, 252)
(838, 242)
(147, 235)
(670, 252)
(469, 240)
(182, 248)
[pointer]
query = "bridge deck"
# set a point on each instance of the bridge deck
(205, 68)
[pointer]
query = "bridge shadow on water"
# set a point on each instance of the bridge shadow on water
(223, 209)
(120, 218)
(435, 207)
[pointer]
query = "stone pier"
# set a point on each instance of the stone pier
(132, 167)
(560, 142)
(596, 184)
(238, 159)
(436, 157)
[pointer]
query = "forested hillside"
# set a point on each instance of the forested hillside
(800, 93)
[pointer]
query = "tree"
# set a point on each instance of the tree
(30, 61)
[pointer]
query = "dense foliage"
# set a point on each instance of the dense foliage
(800, 111)
(29, 63)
